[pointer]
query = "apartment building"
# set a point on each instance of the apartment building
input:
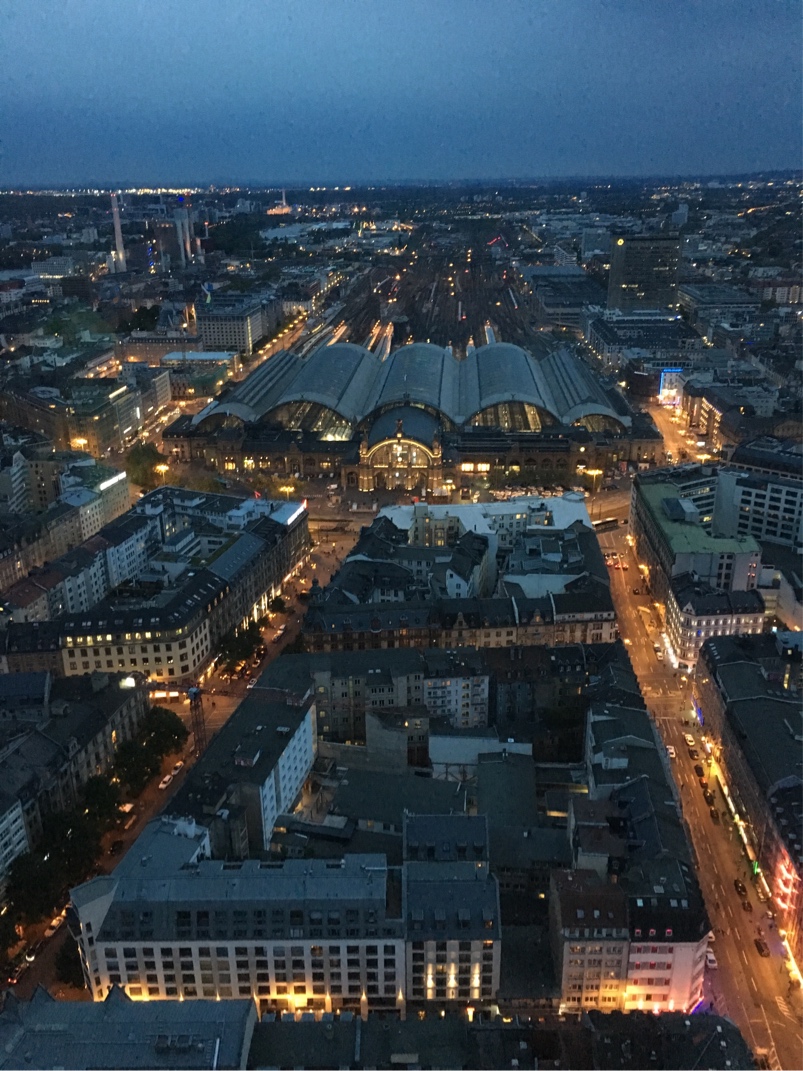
(253, 770)
(747, 697)
(589, 936)
(695, 611)
(72, 736)
(450, 684)
(310, 934)
(315, 934)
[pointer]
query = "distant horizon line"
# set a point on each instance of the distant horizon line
(342, 186)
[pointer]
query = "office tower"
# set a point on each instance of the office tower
(644, 271)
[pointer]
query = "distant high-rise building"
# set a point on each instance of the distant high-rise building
(644, 271)
(680, 217)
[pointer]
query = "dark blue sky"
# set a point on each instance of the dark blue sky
(192, 91)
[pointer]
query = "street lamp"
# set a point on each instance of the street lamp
(288, 489)
(162, 470)
(593, 473)
(79, 443)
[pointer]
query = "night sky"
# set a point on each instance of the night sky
(351, 91)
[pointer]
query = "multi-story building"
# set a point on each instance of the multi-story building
(253, 770)
(621, 339)
(79, 579)
(120, 1033)
(644, 271)
(715, 301)
(768, 508)
(747, 697)
(317, 935)
(583, 615)
(695, 611)
(234, 325)
(394, 590)
(14, 496)
(628, 777)
(671, 515)
(450, 684)
(452, 915)
(589, 935)
(44, 763)
(767, 456)
(300, 934)
(163, 615)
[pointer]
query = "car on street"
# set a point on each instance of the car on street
(251, 684)
(694, 753)
(708, 796)
(714, 815)
(686, 736)
(16, 972)
(179, 766)
(165, 781)
(711, 961)
(703, 784)
(32, 952)
(116, 847)
(740, 888)
(762, 947)
(55, 923)
(699, 770)
(747, 906)
(671, 751)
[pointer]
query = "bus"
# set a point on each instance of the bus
(605, 525)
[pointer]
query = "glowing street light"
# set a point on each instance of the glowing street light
(593, 473)
(162, 470)
(288, 490)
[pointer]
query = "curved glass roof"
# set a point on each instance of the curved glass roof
(353, 383)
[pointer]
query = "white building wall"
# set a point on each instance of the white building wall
(13, 838)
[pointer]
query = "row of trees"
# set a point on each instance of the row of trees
(38, 881)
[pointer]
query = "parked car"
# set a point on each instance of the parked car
(699, 770)
(165, 781)
(762, 947)
(179, 766)
(116, 847)
(686, 736)
(55, 923)
(708, 796)
(694, 753)
(251, 684)
(740, 888)
(747, 906)
(671, 751)
(711, 961)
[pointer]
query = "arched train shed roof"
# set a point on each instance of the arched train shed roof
(355, 383)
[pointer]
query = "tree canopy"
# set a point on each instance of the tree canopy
(141, 465)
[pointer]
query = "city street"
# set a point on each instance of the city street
(751, 990)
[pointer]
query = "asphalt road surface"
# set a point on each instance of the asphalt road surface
(753, 991)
